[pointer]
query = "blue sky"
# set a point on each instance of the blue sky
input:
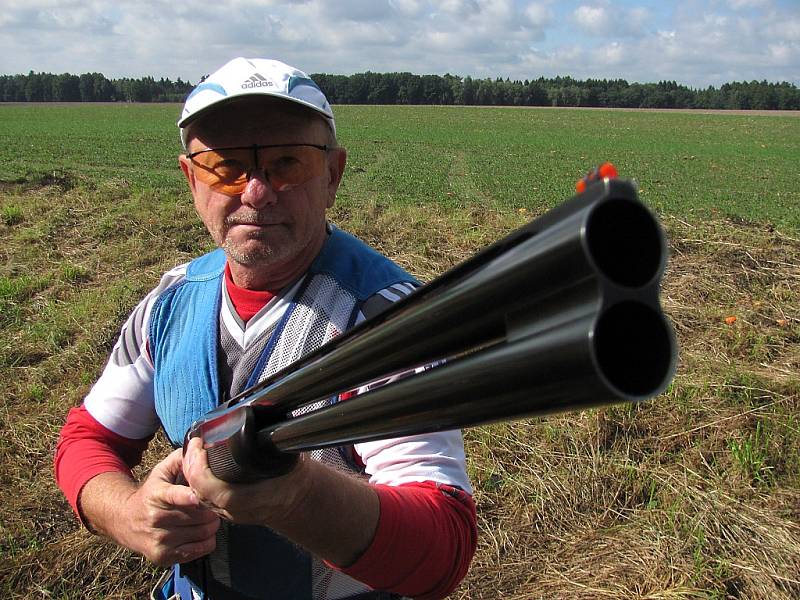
(695, 42)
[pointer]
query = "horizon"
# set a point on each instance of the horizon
(461, 77)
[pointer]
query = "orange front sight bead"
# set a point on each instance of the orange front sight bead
(606, 170)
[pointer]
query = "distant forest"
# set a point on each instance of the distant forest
(407, 88)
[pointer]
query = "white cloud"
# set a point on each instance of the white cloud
(539, 14)
(698, 42)
(460, 8)
(637, 18)
(591, 18)
(612, 21)
(744, 4)
(351, 10)
(787, 30)
(782, 53)
(407, 8)
(499, 11)
(614, 53)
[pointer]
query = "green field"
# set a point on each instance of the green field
(692, 495)
(688, 164)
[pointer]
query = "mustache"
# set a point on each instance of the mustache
(251, 218)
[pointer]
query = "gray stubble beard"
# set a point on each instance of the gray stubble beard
(265, 255)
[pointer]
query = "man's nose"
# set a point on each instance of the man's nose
(258, 192)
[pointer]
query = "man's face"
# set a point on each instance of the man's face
(261, 228)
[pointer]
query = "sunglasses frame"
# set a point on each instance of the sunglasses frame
(255, 148)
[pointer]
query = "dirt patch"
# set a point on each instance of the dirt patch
(39, 181)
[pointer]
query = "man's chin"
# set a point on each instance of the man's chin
(252, 255)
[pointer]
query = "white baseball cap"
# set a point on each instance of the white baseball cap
(253, 77)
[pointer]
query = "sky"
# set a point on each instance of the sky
(694, 42)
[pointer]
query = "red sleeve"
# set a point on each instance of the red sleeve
(426, 537)
(86, 448)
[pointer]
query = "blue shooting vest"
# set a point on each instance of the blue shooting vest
(184, 347)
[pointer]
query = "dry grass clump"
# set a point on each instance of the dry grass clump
(695, 494)
(567, 519)
(732, 292)
(692, 495)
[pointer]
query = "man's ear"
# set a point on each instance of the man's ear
(336, 163)
(186, 167)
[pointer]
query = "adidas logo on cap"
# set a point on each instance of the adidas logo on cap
(257, 80)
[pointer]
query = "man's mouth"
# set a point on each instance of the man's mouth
(253, 222)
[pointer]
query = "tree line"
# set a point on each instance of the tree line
(407, 88)
(89, 87)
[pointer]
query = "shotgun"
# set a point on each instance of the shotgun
(562, 314)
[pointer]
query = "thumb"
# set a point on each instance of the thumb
(196, 460)
(169, 469)
(180, 496)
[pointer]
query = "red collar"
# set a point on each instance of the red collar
(246, 302)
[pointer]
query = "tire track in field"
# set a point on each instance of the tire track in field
(462, 183)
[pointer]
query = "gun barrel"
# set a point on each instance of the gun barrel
(562, 314)
(587, 363)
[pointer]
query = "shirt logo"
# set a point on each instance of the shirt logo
(257, 80)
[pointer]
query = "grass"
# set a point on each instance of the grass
(694, 165)
(692, 495)
(751, 454)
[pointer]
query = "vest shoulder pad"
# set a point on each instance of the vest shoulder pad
(208, 266)
(356, 266)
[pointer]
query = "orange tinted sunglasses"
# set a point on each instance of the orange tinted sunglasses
(286, 166)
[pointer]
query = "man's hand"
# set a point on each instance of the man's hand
(162, 521)
(331, 514)
(265, 502)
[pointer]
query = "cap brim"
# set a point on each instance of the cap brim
(227, 100)
(189, 119)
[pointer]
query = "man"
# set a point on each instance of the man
(376, 520)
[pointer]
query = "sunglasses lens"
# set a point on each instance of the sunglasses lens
(286, 167)
(291, 166)
(224, 170)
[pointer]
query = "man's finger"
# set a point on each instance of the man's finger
(191, 550)
(188, 533)
(169, 468)
(180, 496)
(185, 517)
(181, 544)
